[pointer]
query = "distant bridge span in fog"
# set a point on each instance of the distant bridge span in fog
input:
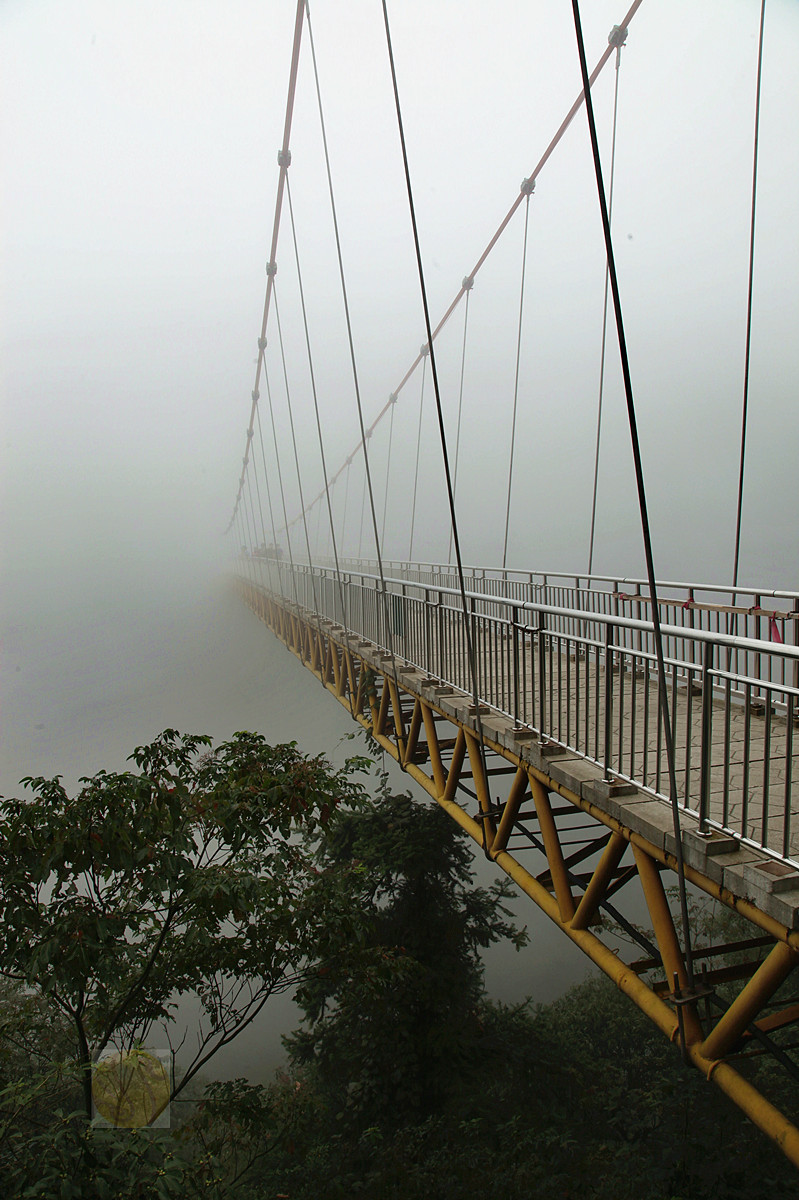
(591, 733)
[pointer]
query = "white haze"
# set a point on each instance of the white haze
(138, 149)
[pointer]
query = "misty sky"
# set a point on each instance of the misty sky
(139, 145)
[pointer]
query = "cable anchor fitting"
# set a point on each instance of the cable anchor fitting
(284, 158)
(262, 344)
(256, 396)
(424, 350)
(467, 283)
(392, 398)
(271, 268)
(617, 36)
(527, 186)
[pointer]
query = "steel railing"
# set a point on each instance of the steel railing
(575, 662)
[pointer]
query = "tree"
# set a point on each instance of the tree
(185, 876)
(390, 1028)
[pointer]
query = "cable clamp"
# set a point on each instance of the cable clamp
(271, 268)
(467, 283)
(249, 435)
(284, 158)
(255, 396)
(424, 350)
(262, 344)
(527, 186)
(392, 398)
(617, 36)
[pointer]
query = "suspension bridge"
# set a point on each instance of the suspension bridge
(600, 737)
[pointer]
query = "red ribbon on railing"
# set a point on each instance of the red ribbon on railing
(774, 630)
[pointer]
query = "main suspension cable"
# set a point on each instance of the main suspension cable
(285, 155)
(749, 302)
(527, 191)
(639, 478)
(617, 38)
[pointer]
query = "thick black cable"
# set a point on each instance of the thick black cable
(418, 451)
(467, 285)
(622, 33)
(316, 408)
(389, 638)
(440, 414)
(639, 478)
(527, 188)
(744, 413)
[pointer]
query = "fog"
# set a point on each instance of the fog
(139, 146)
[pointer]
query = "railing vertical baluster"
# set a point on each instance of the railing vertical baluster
(707, 742)
(608, 699)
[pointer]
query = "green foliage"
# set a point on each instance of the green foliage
(391, 1028)
(183, 877)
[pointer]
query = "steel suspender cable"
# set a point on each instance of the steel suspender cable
(280, 481)
(388, 473)
(440, 414)
(617, 39)
(344, 513)
(294, 448)
(749, 302)
(389, 639)
(418, 449)
(316, 409)
(527, 191)
(467, 286)
(363, 512)
(274, 557)
(639, 478)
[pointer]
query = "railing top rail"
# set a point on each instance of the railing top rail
(686, 633)
(630, 581)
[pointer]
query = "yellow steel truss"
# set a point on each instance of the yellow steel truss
(404, 714)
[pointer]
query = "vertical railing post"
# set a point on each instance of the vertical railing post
(707, 740)
(515, 662)
(608, 700)
(542, 673)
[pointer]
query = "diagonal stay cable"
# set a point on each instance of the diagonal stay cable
(617, 38)
(440, 415)
(527, 191)
(389, 638)
(639, 478)
(747, 351)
